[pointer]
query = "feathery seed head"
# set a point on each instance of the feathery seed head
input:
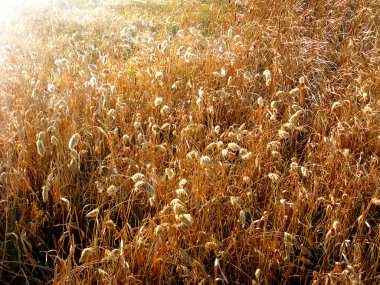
(45, 192)
(140, 138)
(243, 152)
(211, 245)
(112, 190)
(170, 174)
(51, 87)
(247, 180)
(246, 155)
(280, 94)
(223, 72)
(336, 105)
(74, 141)
(236, 201)
(211, 146)
(159, 75)
(126, 139)
(268, 77)
(112, 113)
(367, 110)
(301, 80)
(205, 161)
(305, 172)
(193, 155)
(175, 201)
(93, 214)
(87, 255)
(274, 177)
(274, 145)
(229, 82)
(260, 102)
(375, 201)
(166, 210)
(40, 148)
(186, 219)
(156, 129)
(109, 224)
(274, 105)
(179, 209)
(226, 153)
(276, 154)
(336, 225)
(137, 125)
(165, 110)
(183, 183)
(293, 167)
(258, 274)
(283, 134)
(138, 177)
(242, 217)
(294, 92)
(230, 32)
(41, 136)
(99, 186)
(158, 101)
(267, 74)
(74, 154)
(54, 140)
(296, 116)
(288, 127)
(181, 193)
(50, 130)
(234, 147)
(158, 230)
(165, 127)
(144, 186)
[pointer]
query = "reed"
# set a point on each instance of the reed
(169, 142)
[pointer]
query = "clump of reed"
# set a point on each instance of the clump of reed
(214, 142)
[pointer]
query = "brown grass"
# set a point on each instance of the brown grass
(191, 142)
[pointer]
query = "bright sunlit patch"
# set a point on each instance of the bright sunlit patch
(11, 8)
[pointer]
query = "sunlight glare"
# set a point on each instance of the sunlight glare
(11, 8)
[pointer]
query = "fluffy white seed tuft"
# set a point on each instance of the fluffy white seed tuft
(193, 155)
(181, 193)
(205, 161)
(41, 135)
(74, 141)
(144, 186)
(93, 214)
(138, 177)
(87, 255)
(170, 174)
(40, 148)
(158, 101)
(233, 146)
(274, 177)
(112, 190)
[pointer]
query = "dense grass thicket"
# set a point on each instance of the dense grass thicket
(191, 142)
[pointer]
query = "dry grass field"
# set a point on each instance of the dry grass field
(191, 142)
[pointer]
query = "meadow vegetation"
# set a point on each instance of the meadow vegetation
(191, 142)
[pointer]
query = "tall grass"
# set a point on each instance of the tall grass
(191, 142)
